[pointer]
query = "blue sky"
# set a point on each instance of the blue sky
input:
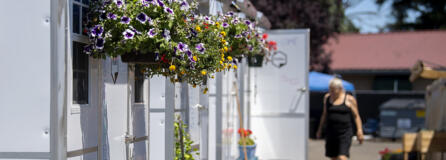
(369, 17)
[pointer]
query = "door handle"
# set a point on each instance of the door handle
(200, 107)
(302, 89)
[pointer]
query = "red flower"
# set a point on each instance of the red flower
(265, 36)
(246, 132)
(163, 58)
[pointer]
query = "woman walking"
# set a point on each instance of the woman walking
(340, 109)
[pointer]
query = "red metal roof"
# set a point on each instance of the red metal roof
(387, 51)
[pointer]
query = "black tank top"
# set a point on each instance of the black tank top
(339, 119)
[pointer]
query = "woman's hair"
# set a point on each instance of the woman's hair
(336, 82)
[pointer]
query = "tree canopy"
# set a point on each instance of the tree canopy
(431, 14)
(325, 18)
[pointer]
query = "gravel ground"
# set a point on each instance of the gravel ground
(369, 150)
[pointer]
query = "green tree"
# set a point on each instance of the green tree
(325, 18)
(432, 14)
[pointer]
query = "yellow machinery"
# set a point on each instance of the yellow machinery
(420, 70)
(429, 143)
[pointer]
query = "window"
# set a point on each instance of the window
(79, 10)
(79, 16)
(395, 83)
(80, 74)
(139, 84)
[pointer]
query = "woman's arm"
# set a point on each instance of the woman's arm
(324, 115)
(357, 118)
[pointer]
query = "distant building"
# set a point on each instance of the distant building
(382, 62)
(379, 67)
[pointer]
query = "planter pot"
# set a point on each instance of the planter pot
(255, 61)
(250, 151)
(139, 58)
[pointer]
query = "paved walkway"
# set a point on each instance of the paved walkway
(369, 150)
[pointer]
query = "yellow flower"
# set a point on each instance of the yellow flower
(194, 86)
(195, 58)
(222, 58)
(205, 90)
(223, 41)
(221, 62)
(229, 66)
(203, 72)
(226, 49)
(222, 51)
(172, 68)
(217, 24)
(198, 28)
(223, 33)
(235, 66)
(183, 72)
(212, 77)
(229, 58)
(222, 55)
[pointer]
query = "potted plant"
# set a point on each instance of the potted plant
(169, 38)
(256, 59)
(247, 146)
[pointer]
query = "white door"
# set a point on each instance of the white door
(139, 118)
(84, 92)
(279, 101)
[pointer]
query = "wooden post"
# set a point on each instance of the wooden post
(241, 122)
(409, 140)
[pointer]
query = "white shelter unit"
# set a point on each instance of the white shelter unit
(58, 103)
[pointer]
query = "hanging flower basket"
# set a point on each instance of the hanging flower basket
(177, 43)
(255, 60)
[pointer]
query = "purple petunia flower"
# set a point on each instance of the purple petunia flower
(189, 54)
(152, 33)
(207, 18)
(245, 33)
(119, 3)
(193, 32)
(160, 3)
(230, 14)
(250, 48)
(234, 21)
(200, 47)
(182, 47)
(100, 43)
(128, 34)
(111, 16)
(97, 31)
(125, 20)
(184, 5)
(142, 17)
(168, 10)
(88, 48)
(166, 34)
(225, 25)
(175, 50)
(238, 36)
(247, 22)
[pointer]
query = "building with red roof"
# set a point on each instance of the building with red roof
(383, 61)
